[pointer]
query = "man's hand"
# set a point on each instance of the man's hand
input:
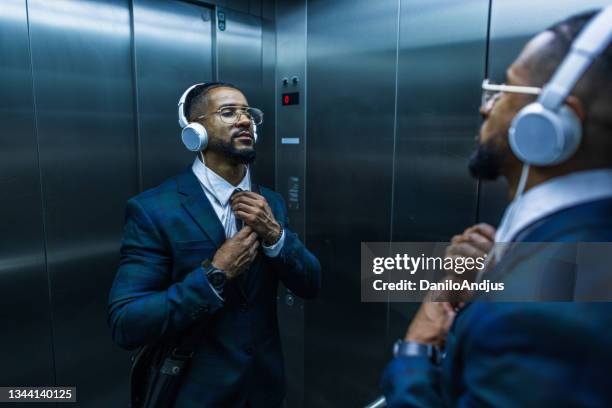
(433, 319)
(237, 253)
(431, 323)
(474, 242)
(254, 210)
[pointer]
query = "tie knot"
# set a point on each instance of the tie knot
(236, 190)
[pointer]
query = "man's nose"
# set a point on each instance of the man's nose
(485, 108)
(484, 111)
(243, 120)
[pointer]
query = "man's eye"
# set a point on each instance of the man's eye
(227, 113)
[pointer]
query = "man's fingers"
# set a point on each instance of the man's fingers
(249, 240)
(480, 241)
(485, 229)
(465, 249)
(457, 239)
(246, 208)
(253, 249)
(248, 217)
(244, 232)
(248, 197)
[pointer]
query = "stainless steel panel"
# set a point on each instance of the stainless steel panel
(290, 176)
(268, 9)
(513, 23)
(441, 63)
(173, 50)
(81, 57)
(255, 7)
(266, 96)
(350, 125)
(25, 317)
(240, 61)
(440, 69)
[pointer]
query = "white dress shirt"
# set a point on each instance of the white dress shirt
(219, 191)
(554, 195)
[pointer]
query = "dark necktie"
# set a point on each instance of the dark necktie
(239, 222)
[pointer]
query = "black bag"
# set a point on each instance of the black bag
(157, 371)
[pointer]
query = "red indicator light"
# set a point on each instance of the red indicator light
(291, 98)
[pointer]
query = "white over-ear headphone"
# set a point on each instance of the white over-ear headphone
(194, 134)
(547, 132)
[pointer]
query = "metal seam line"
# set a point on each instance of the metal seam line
(486, 75)
(42, 196)
(136, 105)
(392, 209)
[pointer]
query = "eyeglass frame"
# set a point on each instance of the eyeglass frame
(499, 88)
(242, 112)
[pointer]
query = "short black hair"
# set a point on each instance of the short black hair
(197, 95)
(565, 33)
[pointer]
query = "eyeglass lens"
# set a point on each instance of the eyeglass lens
(231, 114)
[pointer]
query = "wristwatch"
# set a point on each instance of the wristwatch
(217, 278)
(276, 240)
(412, 348)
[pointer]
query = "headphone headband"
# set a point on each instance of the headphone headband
(590, 43)
(182, 117)
(548, 132)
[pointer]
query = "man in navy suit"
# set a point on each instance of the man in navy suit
(206, 251)
(532, 353)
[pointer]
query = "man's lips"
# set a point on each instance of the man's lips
(244, 135)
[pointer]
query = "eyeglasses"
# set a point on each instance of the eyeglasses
(491, 91)
(231, 114)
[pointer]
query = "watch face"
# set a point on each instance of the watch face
(217, 278)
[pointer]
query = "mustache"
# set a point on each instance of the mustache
(236, 134)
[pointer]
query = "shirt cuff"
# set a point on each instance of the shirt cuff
(274, 250)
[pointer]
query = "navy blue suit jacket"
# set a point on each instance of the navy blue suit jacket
(521, 354)
(161, 291)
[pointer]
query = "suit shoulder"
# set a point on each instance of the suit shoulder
(270, 194)
(587, 222)
(508, 319)
(164, 192)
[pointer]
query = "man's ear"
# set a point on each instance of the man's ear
(576, 105)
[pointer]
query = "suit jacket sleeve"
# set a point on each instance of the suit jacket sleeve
(412, 382)
(297, 267)
(144, 304)
(508, 354)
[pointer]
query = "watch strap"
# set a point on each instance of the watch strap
(412, 349)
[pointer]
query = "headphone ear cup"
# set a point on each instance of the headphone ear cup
(572, 131)
(194, 137)
(540, 137)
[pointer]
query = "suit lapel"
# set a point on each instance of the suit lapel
(197, 205)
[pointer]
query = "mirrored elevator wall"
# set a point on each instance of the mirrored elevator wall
(89, 118)
(391, 104)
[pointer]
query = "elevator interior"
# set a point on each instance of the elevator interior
(371, 145)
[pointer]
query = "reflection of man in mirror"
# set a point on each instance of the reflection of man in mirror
(528, 354)
(203, 255)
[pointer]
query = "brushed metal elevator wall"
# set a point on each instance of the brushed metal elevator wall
(393, 95)
(88, 119)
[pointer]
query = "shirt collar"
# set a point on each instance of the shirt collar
(551, 196)
(216, 185)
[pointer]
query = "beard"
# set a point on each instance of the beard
(245, 155)
(486, 162)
